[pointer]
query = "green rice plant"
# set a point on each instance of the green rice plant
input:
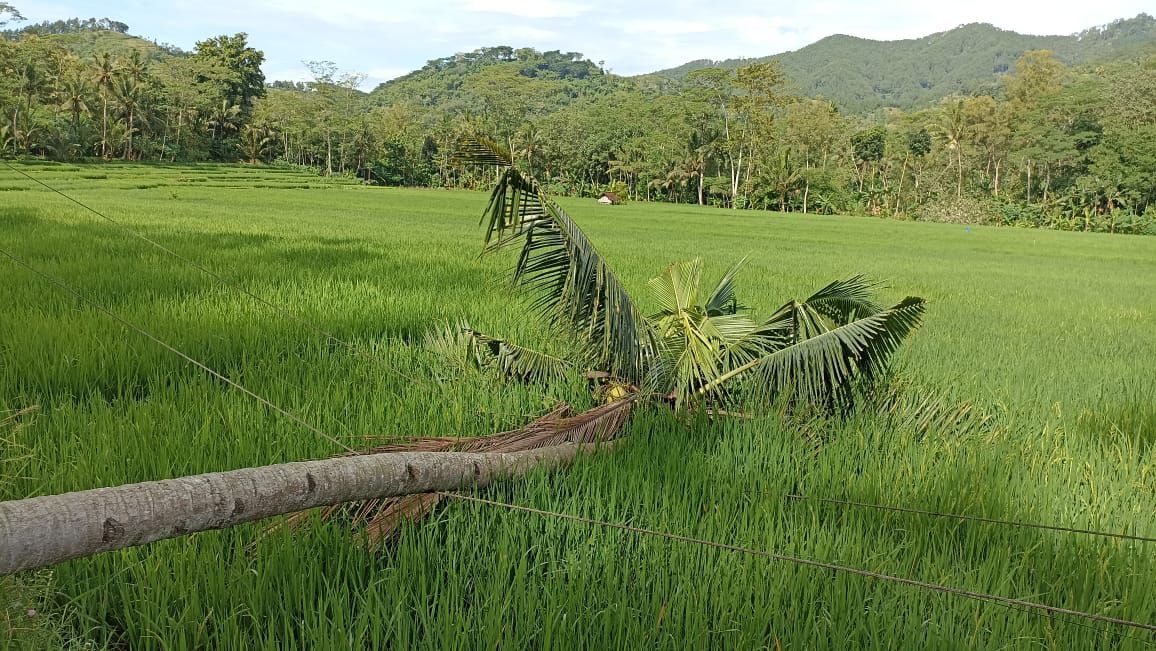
(1033, 329)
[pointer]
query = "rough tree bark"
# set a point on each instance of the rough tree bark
(43, 531)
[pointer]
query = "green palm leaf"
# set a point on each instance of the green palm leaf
(822, 370)
(699, 342)
(466, 347)
(844, 301)
(722, 298)
(559, 267)
(518, 361)
(837, 304)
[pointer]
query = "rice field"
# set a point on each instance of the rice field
(1029, 395)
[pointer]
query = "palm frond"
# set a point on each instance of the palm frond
(517, 361)
(722, 299)
(795, 321)
(676, 290)
(569, 282)
(822, 370)
(464, 346)
(844, 301)
(837, 304)
(699, 343)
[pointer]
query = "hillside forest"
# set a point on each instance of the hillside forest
(1043, 143)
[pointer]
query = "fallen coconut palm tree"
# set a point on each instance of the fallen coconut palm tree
(700, 350)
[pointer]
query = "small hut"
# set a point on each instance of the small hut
(609, 199)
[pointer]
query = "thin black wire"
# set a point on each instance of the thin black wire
(1019, 604)
(1014, 604)
(216, 276)
(957, 516)
(1102, 630)
(60, 284)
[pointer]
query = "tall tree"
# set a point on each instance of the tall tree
(73, 93)
(239, 68)
(104, 71)
(129, 96)
(8, 14)
(951, 127)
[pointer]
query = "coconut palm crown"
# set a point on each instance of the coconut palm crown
(700, 347)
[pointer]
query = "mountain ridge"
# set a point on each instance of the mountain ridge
(862, 75)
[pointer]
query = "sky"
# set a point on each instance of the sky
(385, 39)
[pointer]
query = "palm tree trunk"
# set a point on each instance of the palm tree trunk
(959, 166)
(899, 192)
(180, 123)
(1029, 188)
(128, 152)
(104, 127)
(43, 531)
(328, 153)
(164, 141)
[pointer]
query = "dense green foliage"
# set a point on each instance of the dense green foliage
(1016, 407)
(1040, 144)
(134, 100)
(861, 75)
(70, 26)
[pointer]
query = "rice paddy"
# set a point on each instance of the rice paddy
(1029, 395)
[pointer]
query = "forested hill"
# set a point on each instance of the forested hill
(522, 80)
(862, 75)
(88, 37)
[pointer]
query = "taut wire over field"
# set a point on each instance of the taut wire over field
(990, 598)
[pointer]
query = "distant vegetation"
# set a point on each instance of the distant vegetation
(991, 133)
(91, 37)
(70, 26)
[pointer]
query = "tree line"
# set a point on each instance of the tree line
(1053, 146)
(133, 106)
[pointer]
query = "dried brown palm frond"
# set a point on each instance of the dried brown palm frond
(380, 519)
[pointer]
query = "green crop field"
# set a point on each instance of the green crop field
(1030, 396)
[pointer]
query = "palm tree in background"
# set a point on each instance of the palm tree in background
(104, 71)
(254, 143)
(128, 94)
(529, 141)
(31, 82)
(951, 128)
(74, 98)
(223, 118)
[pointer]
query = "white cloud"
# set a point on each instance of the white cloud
(383, 38)
(526, 8)
(665, 27)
